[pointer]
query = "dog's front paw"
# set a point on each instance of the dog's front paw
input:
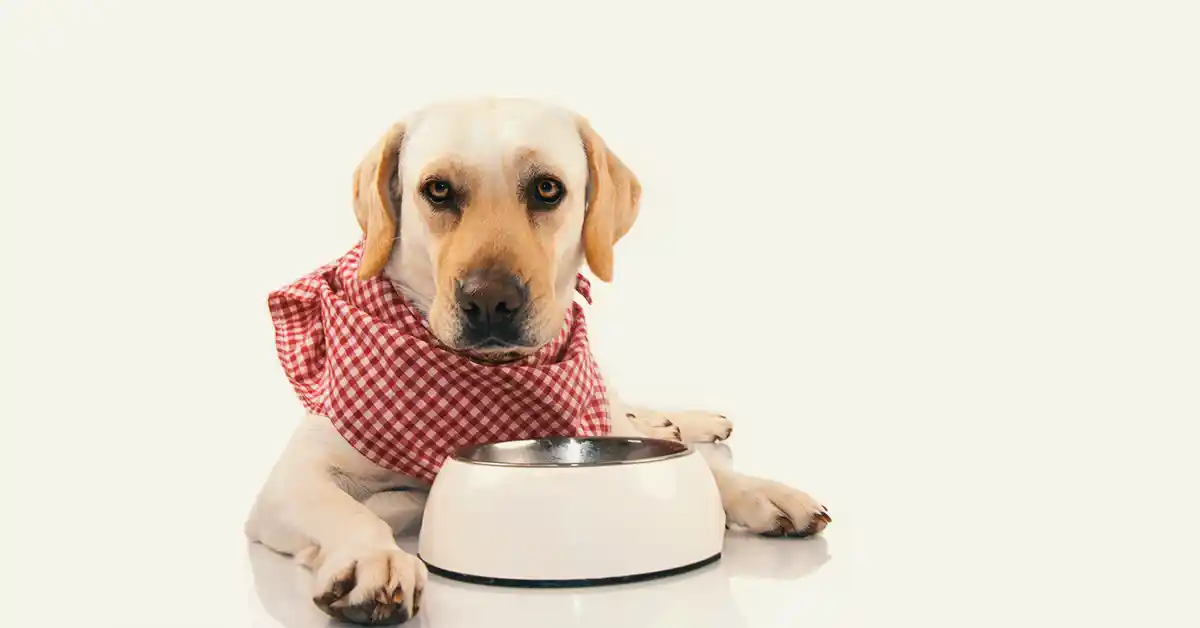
(773, 509)
(691, 426)
(701, 427)
(654, 425)
(372, 588)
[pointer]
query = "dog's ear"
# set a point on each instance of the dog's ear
(613, 193)
(375, 201)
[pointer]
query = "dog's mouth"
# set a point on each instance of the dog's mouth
(493, 343)
(495, 352)
(487, 348)
(496, 342)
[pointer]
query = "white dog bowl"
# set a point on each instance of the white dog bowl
(571, 512)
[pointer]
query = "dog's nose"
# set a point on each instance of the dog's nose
(491, 300)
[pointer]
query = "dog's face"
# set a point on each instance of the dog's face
(482, 214)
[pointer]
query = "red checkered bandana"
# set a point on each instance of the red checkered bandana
(356, 352)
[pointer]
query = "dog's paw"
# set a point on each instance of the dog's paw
(701, 427)
(691, 426)
(773, 509)
(372, 588)
(654, 425)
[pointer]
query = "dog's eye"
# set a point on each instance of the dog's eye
(438, 192)
(547, 191)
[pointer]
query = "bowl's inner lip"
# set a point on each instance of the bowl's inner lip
(464, 454)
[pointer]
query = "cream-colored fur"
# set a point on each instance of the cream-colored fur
(337, 512)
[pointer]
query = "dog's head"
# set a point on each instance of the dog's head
(483, 212)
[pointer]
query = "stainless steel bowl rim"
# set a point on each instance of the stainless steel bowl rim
(486, 454)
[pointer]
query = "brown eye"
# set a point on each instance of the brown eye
(438, 192)
(547, 191)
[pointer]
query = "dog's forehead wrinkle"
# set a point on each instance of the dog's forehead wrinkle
(492, 137)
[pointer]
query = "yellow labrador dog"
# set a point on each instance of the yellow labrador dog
(332, 508)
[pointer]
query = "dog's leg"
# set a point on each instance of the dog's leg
(306, 509)
(401, 510)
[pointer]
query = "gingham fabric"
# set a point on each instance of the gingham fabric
(357, 352)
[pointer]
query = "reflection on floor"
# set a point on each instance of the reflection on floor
(697, 599)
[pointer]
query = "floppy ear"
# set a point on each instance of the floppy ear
(613, 193)
(375, 201)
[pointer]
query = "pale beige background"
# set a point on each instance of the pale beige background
(938, 259)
